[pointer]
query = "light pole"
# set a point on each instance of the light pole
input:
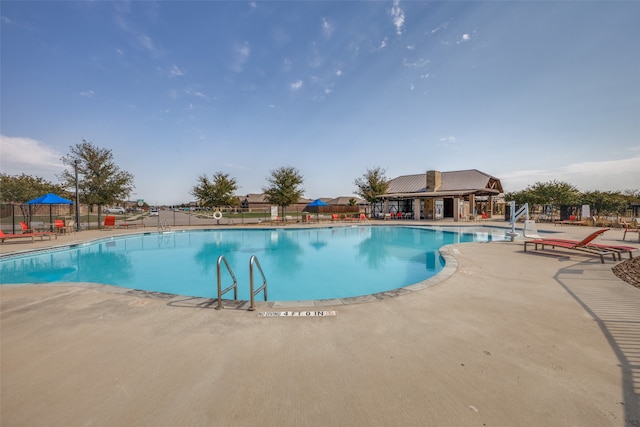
(75, 165)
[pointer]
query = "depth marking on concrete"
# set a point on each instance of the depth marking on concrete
(296, 313)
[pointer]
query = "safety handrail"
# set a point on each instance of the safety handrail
(524, 210)
(164, 226)
(221, 258)
(252, 261)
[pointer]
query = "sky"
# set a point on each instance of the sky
(524, 91)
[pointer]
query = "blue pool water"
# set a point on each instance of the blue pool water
(299, 264)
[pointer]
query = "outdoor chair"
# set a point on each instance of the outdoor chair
(109, 221)
(628, 229)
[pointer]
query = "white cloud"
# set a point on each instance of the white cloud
(25, 155)
(146, 42)
(418, 63)
(241, 52)
(87, 93)
(196, 93)
(397, 14)
(296, 85)
(383, 43)
(287, 64)
(465, 38)
(442, 26)
(175, 71)
(606, 175)
(447, 140)
(327, 28)
(139, 39)
(7, 21)
(338, 72)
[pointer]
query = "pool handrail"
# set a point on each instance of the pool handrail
(222, 258)
(263, 287)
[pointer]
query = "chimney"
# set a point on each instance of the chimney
(434, 180)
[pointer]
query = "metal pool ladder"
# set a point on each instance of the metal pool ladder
(253, 261)
(221, 259)
(263, 287)
(164, 227)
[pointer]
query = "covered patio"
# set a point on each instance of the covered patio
(459, 195)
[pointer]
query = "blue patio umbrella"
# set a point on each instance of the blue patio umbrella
(317, 203)
(50, 199)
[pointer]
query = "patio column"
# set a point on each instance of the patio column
(416, 209)
(490, 213)
(456, 209)
(472, 205)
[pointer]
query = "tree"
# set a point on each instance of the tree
(555, 193)
(284, 187)
(216, 192)
(100, 180)
(552, 193)
(19, 189)
(605, 202)
(372, 184)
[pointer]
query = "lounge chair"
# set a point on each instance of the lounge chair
(618, 249)
(581, 245)
(126, 224)
(573, 220)
(628, 229)
(32, 236)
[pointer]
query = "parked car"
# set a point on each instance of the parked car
(153, 212)
(115, 210)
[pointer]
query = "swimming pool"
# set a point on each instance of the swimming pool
(299, 264)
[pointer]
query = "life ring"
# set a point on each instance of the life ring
(217, 215)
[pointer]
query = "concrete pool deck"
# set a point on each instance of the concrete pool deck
(510, 338)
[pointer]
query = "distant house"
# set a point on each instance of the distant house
(257, 203)
(437, 195)
(345, 201)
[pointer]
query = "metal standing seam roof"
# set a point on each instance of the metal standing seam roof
(454, 182)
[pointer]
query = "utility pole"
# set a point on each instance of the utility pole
(75, 165)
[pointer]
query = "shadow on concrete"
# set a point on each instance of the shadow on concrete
(618, 316)
(207, 303)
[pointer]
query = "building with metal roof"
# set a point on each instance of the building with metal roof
(436, 195)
